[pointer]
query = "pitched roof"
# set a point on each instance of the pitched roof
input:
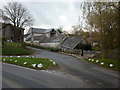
(45, 39)
(71, 42)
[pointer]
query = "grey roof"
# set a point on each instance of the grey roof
(60, 38)
(40, 30)
(40, 38)
(49, 40)
(71, 42)
(45, 39)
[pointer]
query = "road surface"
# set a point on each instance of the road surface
(71, 73)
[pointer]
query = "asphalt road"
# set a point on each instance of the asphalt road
(71, 73)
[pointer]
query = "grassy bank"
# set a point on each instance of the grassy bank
(12, 48)
(107, 63)
(46, 48)
(28, 61)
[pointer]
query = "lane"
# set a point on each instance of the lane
(19, 77)
(81, 69)
(71, 73)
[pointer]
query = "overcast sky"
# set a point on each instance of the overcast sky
(52, 13)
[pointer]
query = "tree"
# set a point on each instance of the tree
(104, 18)
(17, 14)
(77, 30)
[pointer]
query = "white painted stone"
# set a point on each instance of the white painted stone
(97, 61)
(15, 60)
(3, 59)
(10, 59)
(18, 56)
(34, 65)
(11, 56)
(89, 59)
(40, 65)
(111, 65)
(25, 63)
(92, 60)
(75, 55)
(102, 63)
(54, 63)
(51, 60)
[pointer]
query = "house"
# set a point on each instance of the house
(35, 33)
(40, 31)
(44, 37)
(7, 31)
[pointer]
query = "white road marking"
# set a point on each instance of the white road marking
(87, 80)
(53, 72)
(46, 71)
(98, 83)
(43, 70)
(20, 67)
(49, 72)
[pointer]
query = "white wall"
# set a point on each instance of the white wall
(51, 45)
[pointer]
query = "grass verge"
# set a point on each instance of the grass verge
(13, 48)
(46, 63)
(107, 62)
(8, 50)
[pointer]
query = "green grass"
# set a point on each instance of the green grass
(44, 61)
(12, 48)
(107, 62)
(15, 51)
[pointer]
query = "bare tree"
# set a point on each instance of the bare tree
(17, 14)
